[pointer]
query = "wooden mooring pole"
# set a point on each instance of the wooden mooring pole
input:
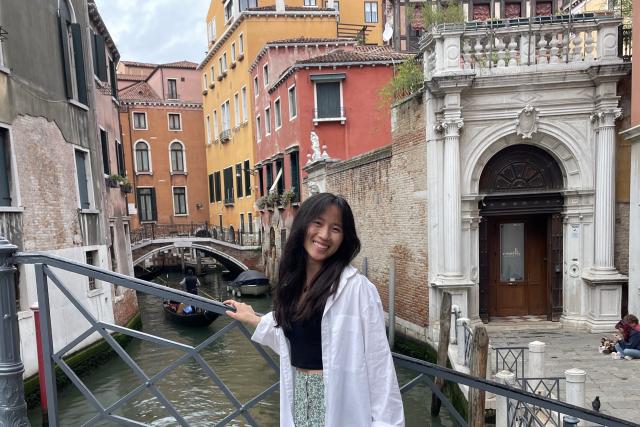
(478, 368)
(443, 347)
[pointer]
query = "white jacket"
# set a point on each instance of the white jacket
(361, 388)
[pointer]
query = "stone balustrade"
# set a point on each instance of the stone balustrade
(510, 46)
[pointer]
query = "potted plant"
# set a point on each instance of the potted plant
(126, 186)
(261, 203)
(114, 180)
(273, 199)
(288, 197)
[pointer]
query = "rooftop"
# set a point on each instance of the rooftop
(358, 55)
(139, 92)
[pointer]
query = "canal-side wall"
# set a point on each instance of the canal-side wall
(386, 189)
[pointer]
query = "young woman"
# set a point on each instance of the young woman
(327, 325)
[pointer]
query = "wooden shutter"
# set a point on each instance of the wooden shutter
(120, 158)
(100, 56)
(66, 61)
(328, 101)
(154, 209)
(113, 79)
(280, 167)
(5, 170)
(556, 266)
(83, 185)
(218, 186)
(239, 179)
(104, 141)
(247, 178)
(212, 194)
(295, 174)
(78, 56)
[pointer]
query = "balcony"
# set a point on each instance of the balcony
(511, 46)
(225, 135)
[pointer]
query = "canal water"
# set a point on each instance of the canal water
(194, 395)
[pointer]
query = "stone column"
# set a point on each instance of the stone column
(502, 416)
(451, 205)
(576, 379)
(13, 408)
(605, 202)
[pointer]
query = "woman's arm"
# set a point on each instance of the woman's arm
(244, 313)
(266, 332)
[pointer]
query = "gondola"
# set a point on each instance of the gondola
(249, 282)
(195, 318)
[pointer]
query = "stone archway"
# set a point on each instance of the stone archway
(520, 254)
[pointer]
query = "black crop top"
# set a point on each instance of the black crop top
(306, 342)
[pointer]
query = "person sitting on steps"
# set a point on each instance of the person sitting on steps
(629, 347)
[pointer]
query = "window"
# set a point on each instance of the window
(113, 79)
(211, 30)
(267, 121)
(84, 178)
(120, 158)
(228, 185)
(172, 88)
(1, 55)
(5, 169)
(242, 223)
(179, 200)
(174, 121)
(310, 3)
(250, 221)
(99, 56)
(147, 204)
(294, 163)
(246, 4)
(244, 104)
(226, 120)
(370, 12)
(241, 43)
(140, 121)
(293, 106)
(221, 68)
(233, 52)
(112, 251)
(91, 258)
(269, 177)
(218, 186)
(255, 86)
(328, 100)
(260, 181)
(215, 125)
(177, 157)
(236, 109)
(104, 144)
(276, 111)
(258, 129)
(212, 192)
(207, 126)
(213, 73)
(143, 165)
(280, 169)
(247, 178)
(72, 55)
(336, 5)
(228, 10)
(224, 62)
(239, 187)
(205, 82)
(265, 74)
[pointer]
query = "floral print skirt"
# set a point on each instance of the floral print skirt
(308, 402)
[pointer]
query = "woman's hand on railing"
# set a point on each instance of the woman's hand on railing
(244, 313)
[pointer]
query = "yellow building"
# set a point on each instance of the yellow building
(237, 30)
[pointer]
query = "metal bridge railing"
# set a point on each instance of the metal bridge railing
(154, 231)
(11, 368)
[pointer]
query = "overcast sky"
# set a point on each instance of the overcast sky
(157, 31)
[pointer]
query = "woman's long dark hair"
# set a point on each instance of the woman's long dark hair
(293, 262)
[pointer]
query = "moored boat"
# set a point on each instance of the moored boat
(250, 282)
(174, 313)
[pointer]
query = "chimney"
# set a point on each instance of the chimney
(280, 6)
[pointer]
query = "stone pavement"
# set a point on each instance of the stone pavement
(617, 382)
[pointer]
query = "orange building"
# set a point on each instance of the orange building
(164, 142)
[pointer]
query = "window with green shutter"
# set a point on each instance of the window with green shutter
(239, 187)
(104, 142)
(83, 179)
(247, 178)
(147, 204)
(212, 193)
(294, 163)
(218, 186)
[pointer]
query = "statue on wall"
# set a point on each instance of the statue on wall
(315, 146)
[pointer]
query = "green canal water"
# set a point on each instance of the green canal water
(193, 394)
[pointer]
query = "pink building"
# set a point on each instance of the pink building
(329, 87)
(172, 81)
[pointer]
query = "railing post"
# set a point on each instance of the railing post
(502, 413)
(41, 375)
(535, 367)
(462, 345)
(576, 379)
(13, 408)
(570, 421)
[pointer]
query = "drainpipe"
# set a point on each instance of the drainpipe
(13, 408)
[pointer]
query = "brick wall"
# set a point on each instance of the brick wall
(386, 189)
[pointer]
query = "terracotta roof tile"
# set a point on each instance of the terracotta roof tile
(309, 40)
(360, 54)
(139, 92)
(180, 64)
(291, 9)
(139, 64)
(131, 77)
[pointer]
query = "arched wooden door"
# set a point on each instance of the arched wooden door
(520, 253)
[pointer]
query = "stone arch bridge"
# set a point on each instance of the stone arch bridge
(234, 257)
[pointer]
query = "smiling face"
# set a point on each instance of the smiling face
(324, 236)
